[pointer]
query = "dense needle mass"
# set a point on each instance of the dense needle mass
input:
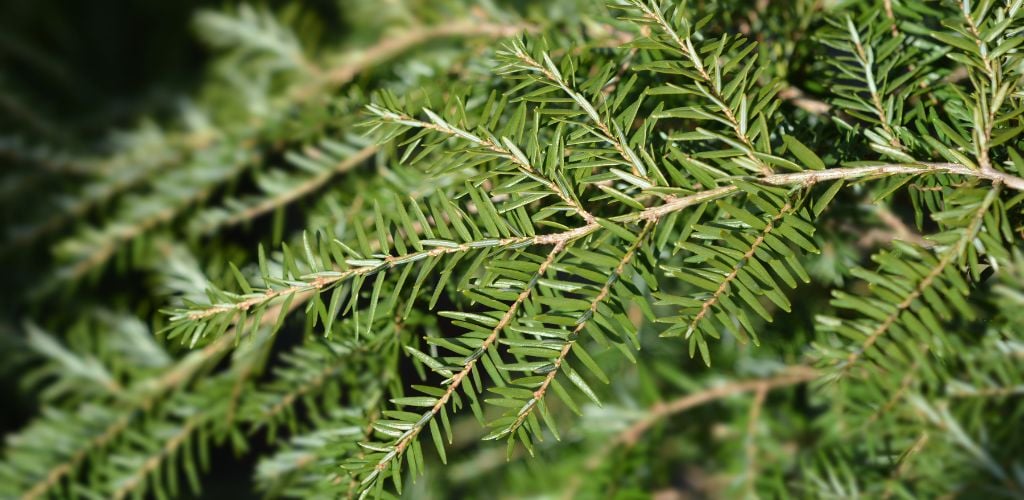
(467, 249)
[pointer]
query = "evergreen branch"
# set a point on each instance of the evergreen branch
(582, 322)
(954, 252)
(710, 302)
(507, 151)
(551, 73)
(323, 281)
(536, 232)
(326, 280)
(711, 86)
(457, 379)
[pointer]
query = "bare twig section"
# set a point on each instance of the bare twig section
(889, 13)
(799, 98)
(811, 177)
(987, 392)
(793, 376)
(898, 230)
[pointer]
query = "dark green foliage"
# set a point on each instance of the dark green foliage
(799, 221)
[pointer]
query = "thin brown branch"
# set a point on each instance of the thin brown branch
(793, 376)
(660, 411)
(393, 46)
(800, 99)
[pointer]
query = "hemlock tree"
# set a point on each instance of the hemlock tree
(721, 248)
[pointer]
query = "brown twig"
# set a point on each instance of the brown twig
(392, 46)
(660, 411)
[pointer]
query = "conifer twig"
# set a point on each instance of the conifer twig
(539, 393)
(456, 380)
(953, 252)
(686, 47)
(806, 178)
